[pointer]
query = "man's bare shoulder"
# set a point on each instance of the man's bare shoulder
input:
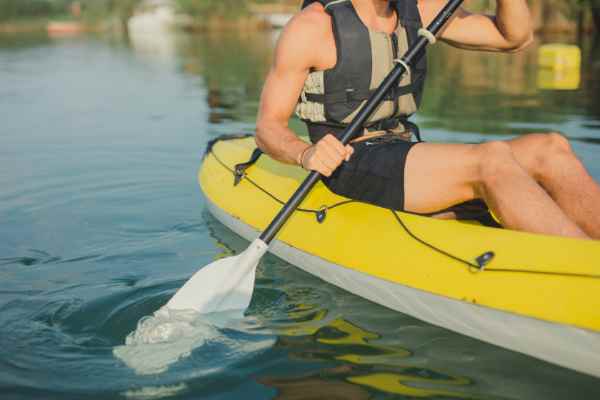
(302, 43)
(311, 23)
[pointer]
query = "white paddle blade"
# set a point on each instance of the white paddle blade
(226, 284)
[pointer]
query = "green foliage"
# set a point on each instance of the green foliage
(97, 9)
(15, 9)
(226, 8)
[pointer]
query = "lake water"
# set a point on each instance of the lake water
(101, 220)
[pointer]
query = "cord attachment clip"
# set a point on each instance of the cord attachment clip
(239, 171)
(484, 259)
(321, 214)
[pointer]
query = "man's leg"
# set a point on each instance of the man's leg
(549, 159)
(441, 175)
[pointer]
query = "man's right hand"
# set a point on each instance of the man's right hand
(326, 156)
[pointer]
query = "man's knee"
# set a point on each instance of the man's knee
(495, 161)
(551, 150)
(556, 144)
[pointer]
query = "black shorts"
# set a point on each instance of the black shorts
(375, 172)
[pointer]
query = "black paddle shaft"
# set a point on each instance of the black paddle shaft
(356, 126)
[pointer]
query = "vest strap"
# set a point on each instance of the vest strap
(356, 96)
(381, 125)
(325, 3)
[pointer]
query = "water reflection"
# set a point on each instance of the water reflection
(157, 46)
(499, 94)
(467, 92)
(362, 362)
(233, 67)
(591, 68)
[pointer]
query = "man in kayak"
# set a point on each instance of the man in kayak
(333, 54)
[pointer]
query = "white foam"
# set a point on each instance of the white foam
(155, 392)
(171, 335)
(164, 338)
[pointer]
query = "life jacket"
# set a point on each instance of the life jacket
(331, 98)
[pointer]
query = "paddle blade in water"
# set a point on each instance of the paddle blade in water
(226, 284)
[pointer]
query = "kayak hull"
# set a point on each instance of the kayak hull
(561, 329)
(567, 346)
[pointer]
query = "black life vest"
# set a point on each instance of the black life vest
(331, 98)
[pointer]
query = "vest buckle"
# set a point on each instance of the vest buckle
(350, 95)
(303, 98)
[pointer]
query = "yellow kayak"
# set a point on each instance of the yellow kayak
(535, 294)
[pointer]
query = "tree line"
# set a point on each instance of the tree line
(16, 9)
(546, 12)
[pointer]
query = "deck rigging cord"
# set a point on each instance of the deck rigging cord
(472, 266)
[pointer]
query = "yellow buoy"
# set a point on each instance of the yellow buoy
(559, 56)
(559, 67)
(558, 79)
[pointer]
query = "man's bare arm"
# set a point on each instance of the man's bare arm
(294, 56)
(280, 94)
(510, 30)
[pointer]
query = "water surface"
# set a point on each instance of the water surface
(101, 220)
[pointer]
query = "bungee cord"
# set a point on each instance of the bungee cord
(479, 266)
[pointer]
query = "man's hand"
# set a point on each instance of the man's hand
(325, 156)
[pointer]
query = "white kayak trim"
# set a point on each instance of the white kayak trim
(564, 345)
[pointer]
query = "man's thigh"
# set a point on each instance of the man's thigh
(437, 176)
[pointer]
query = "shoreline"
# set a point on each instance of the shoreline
(23, 27)
(258, 18)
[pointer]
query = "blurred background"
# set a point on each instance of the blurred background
(549, 15)
(106, 107)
